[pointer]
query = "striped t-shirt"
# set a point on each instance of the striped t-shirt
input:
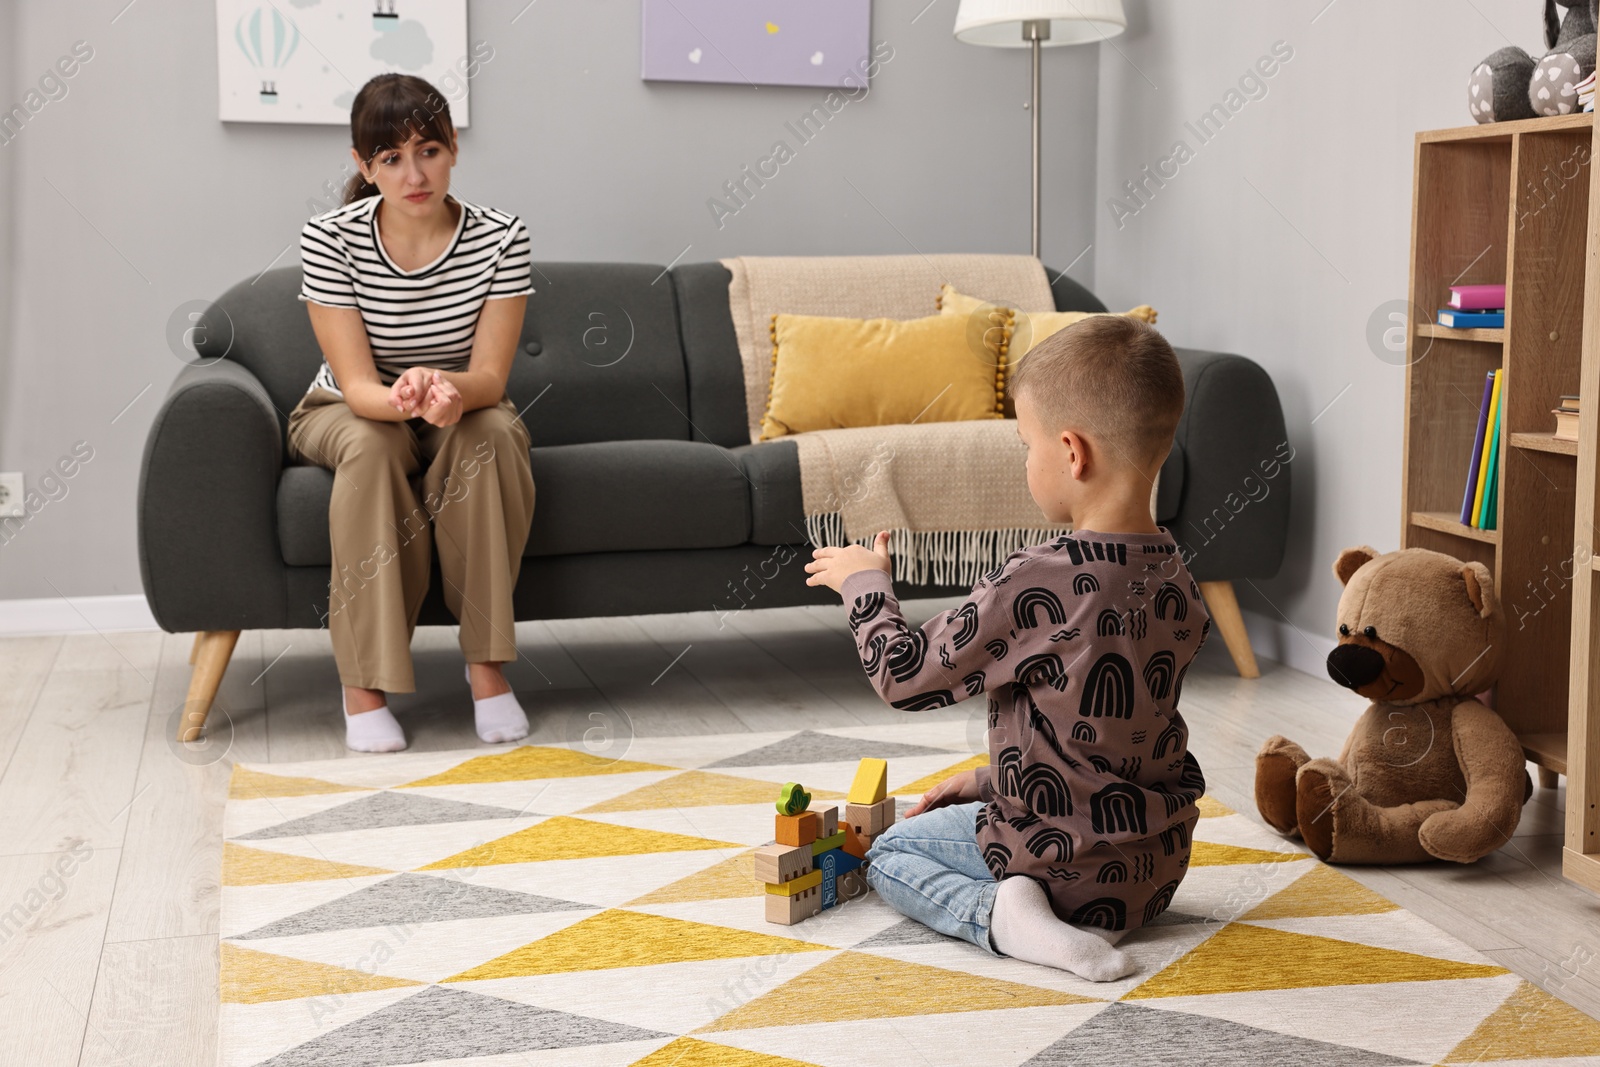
(425, 317)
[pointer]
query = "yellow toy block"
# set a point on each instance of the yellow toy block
(779, 863)
(872, 782)
(796, 885)
(823, 844)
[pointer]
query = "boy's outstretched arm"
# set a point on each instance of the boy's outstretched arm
(957, 654)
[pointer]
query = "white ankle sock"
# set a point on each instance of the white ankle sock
(372, 731)
(1024, 926)
(498, 718)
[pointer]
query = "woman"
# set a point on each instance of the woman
(417, 299)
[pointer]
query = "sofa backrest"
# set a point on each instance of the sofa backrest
(599, 357)
(609, 351)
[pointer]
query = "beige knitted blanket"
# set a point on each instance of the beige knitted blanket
(953, 494)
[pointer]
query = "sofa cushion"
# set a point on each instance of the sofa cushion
(608, 496)
(777, 513)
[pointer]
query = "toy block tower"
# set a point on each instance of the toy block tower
(808, 867)
(869, 810)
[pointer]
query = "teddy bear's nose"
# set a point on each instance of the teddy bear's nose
(1354, 666)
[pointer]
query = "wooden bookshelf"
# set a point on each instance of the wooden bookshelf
(1510, 202)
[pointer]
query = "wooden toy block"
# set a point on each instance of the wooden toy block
(793, 799)
(885, 817)
(798, 829)
(787, 910)
(779, 863)
(871, 819)
(823, 844)
(828, 818)
(854, 843)
(871, 783)
(843, 859)
(851, 885)
(795, 885)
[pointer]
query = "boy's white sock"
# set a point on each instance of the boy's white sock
(1024, 926)
(372, 731)
(498, 718)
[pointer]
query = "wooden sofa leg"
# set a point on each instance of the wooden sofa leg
(194, 649)
(1548, 779)
(1224, 609)
(212, 650)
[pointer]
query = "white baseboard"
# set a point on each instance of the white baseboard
(75, 615)
(1275, 639)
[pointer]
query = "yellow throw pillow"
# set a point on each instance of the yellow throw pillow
(1028, 327)
(829, 373)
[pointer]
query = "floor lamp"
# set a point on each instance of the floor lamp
(1035, 24)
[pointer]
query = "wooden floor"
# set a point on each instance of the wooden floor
(115, 960)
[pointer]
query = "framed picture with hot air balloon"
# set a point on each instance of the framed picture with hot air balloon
(303, 60)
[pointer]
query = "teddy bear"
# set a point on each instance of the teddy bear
(1428, 772)
(1511, 84)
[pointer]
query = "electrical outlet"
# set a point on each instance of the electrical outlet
(11, 495)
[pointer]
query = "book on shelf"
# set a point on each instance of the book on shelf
(1469, 497)
(1566, 425)
(1477, 297)
(1489, 417)
(1567, 402)
(1469, 320)
(1487, 512)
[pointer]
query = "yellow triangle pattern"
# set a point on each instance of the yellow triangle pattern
(928, 781)
(562, 837)
(247, 784)
(1216, 854)
(631, 939)
(732, 877)
(1531, 1024)
(692, 1052)
(1322, 891)
(254, 866)
(1211, 807)
(532, 762)
(251, 977)
(862, 985)
(1240, 958)
(698, 789)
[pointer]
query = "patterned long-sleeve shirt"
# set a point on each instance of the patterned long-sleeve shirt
(1081, 644)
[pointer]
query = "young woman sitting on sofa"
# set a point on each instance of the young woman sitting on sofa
(417, 300)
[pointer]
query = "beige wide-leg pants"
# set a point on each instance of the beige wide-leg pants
(399, 487)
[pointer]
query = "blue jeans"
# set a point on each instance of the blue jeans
(929, 868)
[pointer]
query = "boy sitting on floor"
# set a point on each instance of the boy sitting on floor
(1079, 828)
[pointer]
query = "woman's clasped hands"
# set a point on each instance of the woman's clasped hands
(423, 393)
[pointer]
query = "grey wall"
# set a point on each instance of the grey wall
(1284, 233)
(130, 198)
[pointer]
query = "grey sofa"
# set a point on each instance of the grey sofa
(650, 496)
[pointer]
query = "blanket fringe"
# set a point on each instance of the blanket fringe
(936, 557)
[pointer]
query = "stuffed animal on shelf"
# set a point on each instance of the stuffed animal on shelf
(1511, 84)
(1428, 772)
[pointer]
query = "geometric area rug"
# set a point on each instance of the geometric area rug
(540, 905)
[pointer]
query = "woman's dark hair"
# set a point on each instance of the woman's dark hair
(388, 112)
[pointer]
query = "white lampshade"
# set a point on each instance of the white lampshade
(998, 23)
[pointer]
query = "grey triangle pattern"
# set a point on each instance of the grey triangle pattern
(906, 932)
(809, 746)
(441, 1023)
(1126, 1035)
(411, 898)
(378, 810)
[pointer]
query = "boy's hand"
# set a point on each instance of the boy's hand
(954, 790)
(831, 566)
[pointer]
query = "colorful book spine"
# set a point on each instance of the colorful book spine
(1478, 297)
(1483, 462)
(1476, 460)
(1471, 320)
(1486, 515)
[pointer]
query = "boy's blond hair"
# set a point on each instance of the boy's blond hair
(1112, 378)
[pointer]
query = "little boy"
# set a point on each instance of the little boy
(1079, 829)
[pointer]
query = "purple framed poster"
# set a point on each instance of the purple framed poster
(757, 42)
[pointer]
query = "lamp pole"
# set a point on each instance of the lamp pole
(1036, 32)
